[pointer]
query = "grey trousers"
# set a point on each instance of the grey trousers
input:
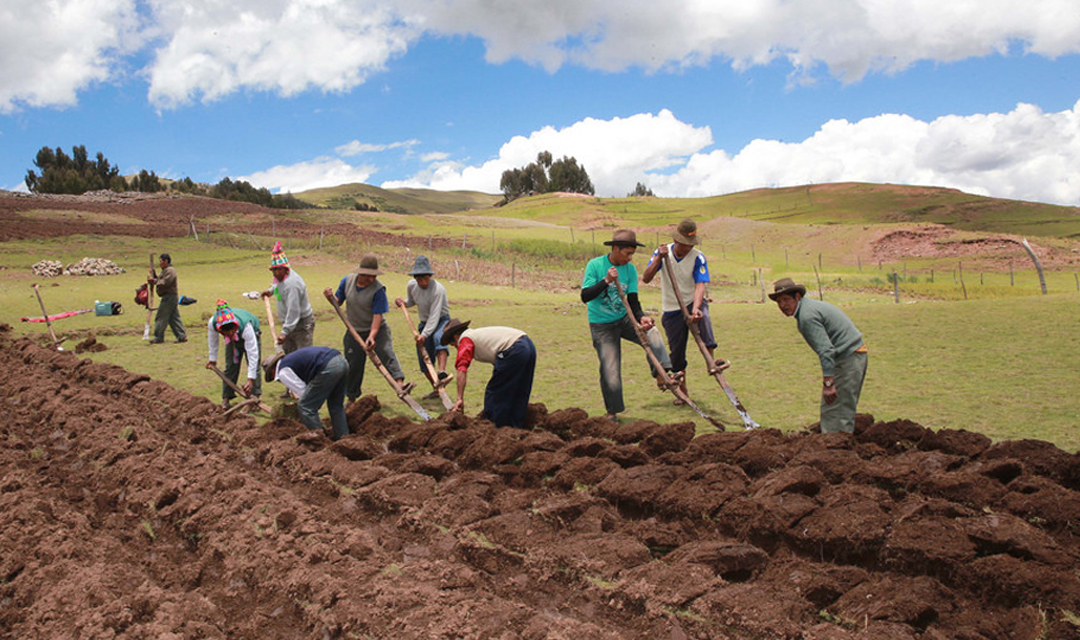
(302, 335)
(848, 379)
(357, 359)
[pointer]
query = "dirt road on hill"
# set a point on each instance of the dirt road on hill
(129, 509)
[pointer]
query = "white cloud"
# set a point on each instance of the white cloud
(1025, 154)
(356, 147)
(49, 51)
(850, 37)
(320, 172)
(215, 48)
(615, 153)
(208, 49)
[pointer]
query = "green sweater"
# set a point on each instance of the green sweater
(830, 333)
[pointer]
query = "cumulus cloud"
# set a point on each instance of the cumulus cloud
(49, 51)
(615, 152)
(1025, 154)
(207, 49)
(321, 172)
(215, 48)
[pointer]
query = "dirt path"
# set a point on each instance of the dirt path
(129, 509)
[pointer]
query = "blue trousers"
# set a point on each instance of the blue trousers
(327, 386)
(506, 398)
(431, 345)
(607, 340)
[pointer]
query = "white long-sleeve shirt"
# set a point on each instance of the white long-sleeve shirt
(251, 347)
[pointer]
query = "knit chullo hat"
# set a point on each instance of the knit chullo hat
(224, 315)
(278, 257)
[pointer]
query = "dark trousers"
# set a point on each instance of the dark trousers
(234, 352)
(506, 398)
(168, 315)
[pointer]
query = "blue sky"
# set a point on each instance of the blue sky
(691, 97)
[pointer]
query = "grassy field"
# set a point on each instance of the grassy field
(1001, 363)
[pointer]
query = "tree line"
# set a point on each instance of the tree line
(77, 174)
(546, 176)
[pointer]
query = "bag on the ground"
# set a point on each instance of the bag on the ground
(186, 300)
(107, 308)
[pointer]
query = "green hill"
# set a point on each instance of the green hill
(412, 201)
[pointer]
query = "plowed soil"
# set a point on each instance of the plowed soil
(129, 509)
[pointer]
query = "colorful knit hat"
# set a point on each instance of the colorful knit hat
(278, 257)
(224, 315)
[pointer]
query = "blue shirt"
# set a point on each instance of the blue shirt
(379, 303)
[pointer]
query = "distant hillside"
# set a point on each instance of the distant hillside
(841, 203)
(413, 201)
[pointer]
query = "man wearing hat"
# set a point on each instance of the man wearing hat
(365, 303)
(168, 312)
(691, 278)
(240, 328)
(433, 308)
(839, 346)
(506, 398)
(315, 375)
(293, 308)
(608, 322)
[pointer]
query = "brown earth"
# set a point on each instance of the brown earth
(129, 509)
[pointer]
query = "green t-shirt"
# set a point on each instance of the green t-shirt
(607, 307)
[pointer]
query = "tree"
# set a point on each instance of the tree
(545, 176)
(72, 174)
(146, 182)
(640, 190)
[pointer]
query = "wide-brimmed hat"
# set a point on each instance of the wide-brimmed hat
(369, 266)
(422, 267)
(624, 238)
(278, 257)
(453, 328)
(686, 232)
(786, 286)
(269, 366)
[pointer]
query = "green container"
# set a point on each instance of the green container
(103, 309)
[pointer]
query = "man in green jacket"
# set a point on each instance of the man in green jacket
(839, 346)
(168, 313)
(240, 328)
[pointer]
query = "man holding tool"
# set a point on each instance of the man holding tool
(609, 323)
(293, 308)
(513, 354)
(433, 308)
(366, 305)
(316, 375)
(168, 312)
(691, 278)
(240, 328)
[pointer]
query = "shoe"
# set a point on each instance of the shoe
(612, 417)
(156, 342)
(179, 340)
(443, 375)
(431, 396)
(225, 404)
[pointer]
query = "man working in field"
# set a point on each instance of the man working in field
(609, 323)
(429, 298)
(691, 278)
(315, 375)
(839, 346)
(366, 305)
(240, 329)
(168, 313)
(293, 308)
(506, 398)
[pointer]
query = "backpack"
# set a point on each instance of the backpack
(142, 295)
